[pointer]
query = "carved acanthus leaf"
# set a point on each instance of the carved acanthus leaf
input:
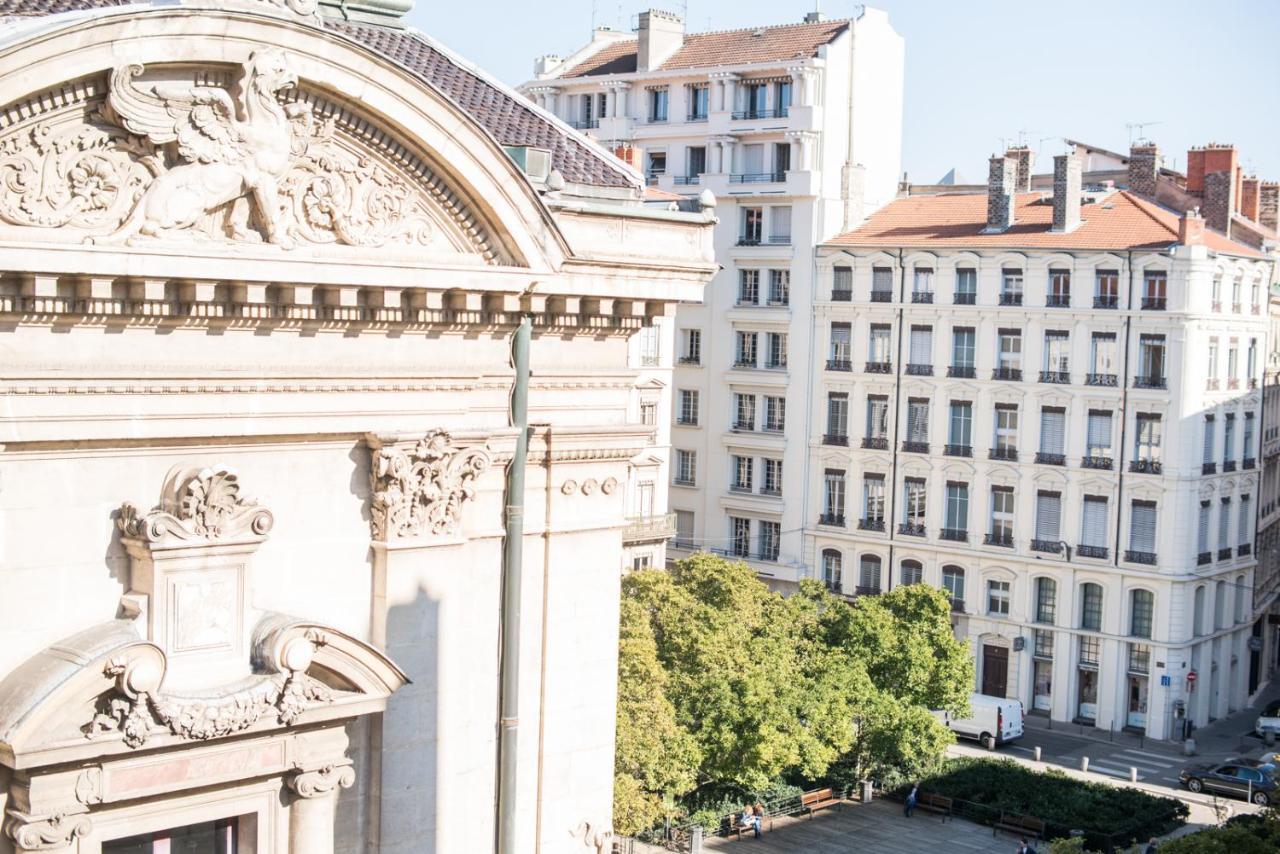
(421, 491)
(197, 504)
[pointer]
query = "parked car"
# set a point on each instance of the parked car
(1240, 778)
(992, 721)
(1268, 720)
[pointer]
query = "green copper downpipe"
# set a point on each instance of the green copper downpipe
(512, 567)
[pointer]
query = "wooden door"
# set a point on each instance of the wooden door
(995, 670)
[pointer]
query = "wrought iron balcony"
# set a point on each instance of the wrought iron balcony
(1013, 374)
(841, 439)
(1244, 549)
(1208, 468)
(1133, 556)
(875, 443)
(964, 372)
(1010, 299)
(1105, 463)
(1224, 554)
(881, 296)
(758, 178)
(998, 539)
(1048, 546)
(957, 605)
(964, 298)
(1204, 558)
(860, 590)
(1058, 301)
(1149, 382)
(913, 447)
(1228, 465)
(1106, 380)
(911, 529)
(1048, 459)
(955, 535)
(741, 362)
(958, 450)
(871, 525)
(1248, 463)
(833, 519)
(1155, 303)
(685, 180)
(841, 295)
(922, 296)
(780, 113)
(589, 124)
(696, 117)
(879, 368)
(641, 529)
(920, 370)
(1106, 301)
(1059, 377)
(1009, 454)
(1098, 552)
(839, 365)
(1146, 466)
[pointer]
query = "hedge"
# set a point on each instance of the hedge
(1108, 815)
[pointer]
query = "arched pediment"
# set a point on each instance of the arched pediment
(286, 143)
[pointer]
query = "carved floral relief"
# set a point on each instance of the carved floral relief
(421, 490)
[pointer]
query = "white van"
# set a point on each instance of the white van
(992, 721)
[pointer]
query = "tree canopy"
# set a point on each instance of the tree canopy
(722, 681)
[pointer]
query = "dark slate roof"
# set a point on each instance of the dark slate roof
(505, 115)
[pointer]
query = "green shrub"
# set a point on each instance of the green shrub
(1242, 834)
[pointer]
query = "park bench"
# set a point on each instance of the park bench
(1023, 825)
(930, 802)
(818, 799)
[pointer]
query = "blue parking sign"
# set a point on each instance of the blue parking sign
(1165, 681)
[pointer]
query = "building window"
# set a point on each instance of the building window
(1206, 457)
(1009, 356)
(1255, 291)
(770, 540)
(1053, 438)
(1099, 437)
(877, 420)
(1102, 359)
(869, 575)
(1215, 293)
(920, 357)
(917, 425)
(648, 413)
(688, 413)
(878, 345)
(1224, 528)
(1091, 607)
(1229, 441)
(1141, 612)
(1251, 364)
(1146, 440)
(658, 105)
(781, 160)
(1057, 357)
(832, 570)
(775, 413)
(650, 345)
(1155, 290)
(997, 597)
(744, 411)
(1213, 363)
(691, 346)
(1220, 605)
(780, 224)
(1048, 521)
(782, 97)
(1043, 647)
(913, 506)
(953, 583)
(1142, 531)
(873, 501)
(752, 226)
(838, 416)
(833, 497)
(962, 351)
(1236, 285)
(746, 349)
(922, 285)
(777, 357)
(881, 284)
(684, 529)
(643, 561)
(1006, 438)
(1246, 518)
(1139, 658)
(1151, 356)
(842, 284)
(772, 483)
(779, 287)
(748, 287)
(686, 467)
(1093, 527)
(1107, 291)
(695, 162)
(957, 509)
(841, 358)
(1002, 508)
(699, 102)
(1203, 553)
(1233, 365)
(657, 165)
(966, 286)
(960, 428)
(912, 572)
(743, 471)
(1011, 287)
(1059, 289)
(1046, 600)
(740, 536)
(1198, 618)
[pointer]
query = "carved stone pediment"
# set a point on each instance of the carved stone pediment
(220, 154)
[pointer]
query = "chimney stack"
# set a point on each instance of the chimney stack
(1021, 156)
(1269, 204)
(1000, 193)
(1249, 201)
(1219, 200)
(1066, 192)
(1144, 169)
(1191, 228)
(660, 35)
(1214, 157)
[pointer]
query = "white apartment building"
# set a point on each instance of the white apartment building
(795, 130)
(1049, 406)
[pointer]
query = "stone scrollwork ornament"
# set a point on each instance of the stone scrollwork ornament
(197, 504)
(421, 491)
(54, 832)
(322, 781)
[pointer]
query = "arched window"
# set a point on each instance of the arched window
(912, 572)
(1091, 607)
(1197, 624)
(869, 575)
(832, 569)
(1141, 611)
(1219, 604)
(1046, 600)
(953, 583)
(1239, 610)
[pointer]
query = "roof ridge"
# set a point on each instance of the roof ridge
(772, 27)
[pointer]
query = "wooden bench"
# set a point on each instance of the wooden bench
(934, 803)
(818, 799)
(736, 829)
(1023, 825)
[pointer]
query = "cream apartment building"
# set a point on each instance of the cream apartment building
(325, 383)
(795, 131)
(1047, 403)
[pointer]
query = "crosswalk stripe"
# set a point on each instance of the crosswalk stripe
(1157, 758)
(1112, 771)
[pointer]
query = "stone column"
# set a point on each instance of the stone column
(311, 815)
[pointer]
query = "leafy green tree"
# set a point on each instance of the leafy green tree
(655, 758)
(1242, 834)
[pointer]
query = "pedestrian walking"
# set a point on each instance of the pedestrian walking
(1151, 847)
(909, 806)
(1024, 847)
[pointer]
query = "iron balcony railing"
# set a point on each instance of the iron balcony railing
(920, 370)
(1009, 454)
(875, 443)
(1106, 301)
(1048, 546)
(881, 296)
(841, 439)
(958, 450)
(839, 365)
(912, 529)
(780, 113)
(1134, 556)
(911, 446)
(1100, 379)
(879, 368)
(871, 525)
(639, 529)
(957, 535)
(965, 372)
(998, 539)
(1094, 462)
(1145, 466)
(922, 296)
(840, 295)
(757, 177)
(1013, 374)
(1060, 377)
(1010, 299)
(963, 298)
(1097, 552)
(832, 519)
(1051, 459)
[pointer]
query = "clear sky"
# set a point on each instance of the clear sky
(982, 71)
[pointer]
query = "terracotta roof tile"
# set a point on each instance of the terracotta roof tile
(730, 47)
(508, 117)
(1117, 222)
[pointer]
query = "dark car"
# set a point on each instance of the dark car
(1245, 779)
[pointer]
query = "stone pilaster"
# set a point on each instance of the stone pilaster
(314, 807)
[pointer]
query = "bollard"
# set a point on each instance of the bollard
(1133, 774)
(695, 841)
(1037, 754)
(1084, 763)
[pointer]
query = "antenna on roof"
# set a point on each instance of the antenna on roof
(1139, 126)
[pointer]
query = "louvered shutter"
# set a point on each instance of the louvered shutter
(1099, 431)
(1142, 527)
(1224, 524)
(1242, 536)
(1053, 425)
(1048, 515)
(1094, 529)
(918, 421)
(1202, 532)
(1208, 439)
(921, 345)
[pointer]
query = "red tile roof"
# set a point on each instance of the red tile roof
(1117, 222)
(729, 47)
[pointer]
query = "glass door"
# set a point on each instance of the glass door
(1088, 697)
(214, 837)
(1137, 714)
(1043, 699)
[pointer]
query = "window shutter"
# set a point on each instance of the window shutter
(1224, 523)
(921, 345)
(1142, 527)
(1242, 535)
(1053, 425)
(1094, 531)
(1202, 532)
(1208, 438)
(1099, 430)
(1048, 515)
(918, 421)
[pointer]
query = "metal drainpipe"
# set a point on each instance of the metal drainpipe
(512, 567)
(1124, 414)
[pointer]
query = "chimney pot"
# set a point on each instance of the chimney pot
(1001, 198)
(1022, 157)
(1067, 173)
(1144, 169)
